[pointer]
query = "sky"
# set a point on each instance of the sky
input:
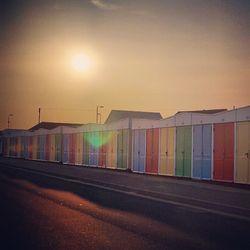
(144, 55)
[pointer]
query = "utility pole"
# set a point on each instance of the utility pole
(39, 115)
(10, 115)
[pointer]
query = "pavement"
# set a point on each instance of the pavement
(53, 206)
(223, 198)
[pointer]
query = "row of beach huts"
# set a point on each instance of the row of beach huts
(203, 145)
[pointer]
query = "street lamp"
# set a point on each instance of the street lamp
(10, 115)
(98, 113)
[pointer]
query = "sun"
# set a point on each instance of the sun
(81, 63)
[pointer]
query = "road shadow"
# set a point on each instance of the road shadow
(230, 233)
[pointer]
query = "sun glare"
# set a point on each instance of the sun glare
(81, 63)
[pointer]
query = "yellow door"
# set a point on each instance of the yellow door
(114, 149)
(109, 149)
(166, 166)
(79, 149)
(8, 146)
(163, 151)
(18, 146)
(170, 151)
(242, 152)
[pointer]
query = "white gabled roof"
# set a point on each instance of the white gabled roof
(235, 115)
(195, 118)
(144, 123)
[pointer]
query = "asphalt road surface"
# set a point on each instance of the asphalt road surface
(43, 209)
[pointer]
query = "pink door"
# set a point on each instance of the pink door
(72, 148)
(47, 147)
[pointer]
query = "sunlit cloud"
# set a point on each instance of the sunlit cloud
(58, 6)
(105, 5)
(143, 13)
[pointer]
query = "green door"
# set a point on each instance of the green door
(183, 151)
(122, 149)
(86, 136)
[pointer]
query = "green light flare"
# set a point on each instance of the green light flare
(98, 139)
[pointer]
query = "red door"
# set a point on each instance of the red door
(30, 146)
(228, 173)
(223, 151)
(102, 156)
(72, 148)
(152, 150)
(102, 149)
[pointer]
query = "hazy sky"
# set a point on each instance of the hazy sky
(151, 55)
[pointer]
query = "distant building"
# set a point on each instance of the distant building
(52, 125)
(116, 115)
(11, 131)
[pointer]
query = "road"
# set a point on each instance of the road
(51, 206)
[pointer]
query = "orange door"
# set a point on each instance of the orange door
(152, 150)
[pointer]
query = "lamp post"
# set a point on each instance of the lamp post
(98, 113)
(10, 115)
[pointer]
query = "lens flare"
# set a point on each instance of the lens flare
(98, 139)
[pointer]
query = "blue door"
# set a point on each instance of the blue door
(26, 147)
(139, 150)
(23, 138)
(65, 148)
(202, 142)
(41, 145)
(207, 152)
(197, 151)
